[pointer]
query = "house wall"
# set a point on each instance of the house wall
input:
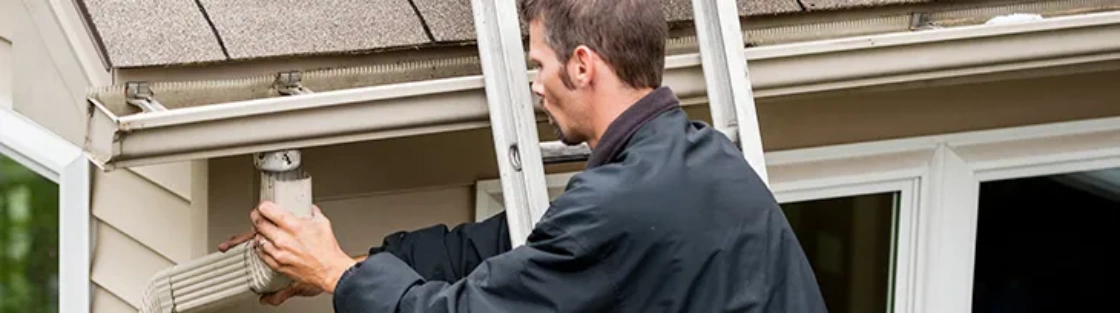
(144, 218)
(371, 189)
(7, 29)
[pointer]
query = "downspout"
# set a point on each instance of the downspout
(220, 278)
(217, 279)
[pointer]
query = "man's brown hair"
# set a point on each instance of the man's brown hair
(628, 34)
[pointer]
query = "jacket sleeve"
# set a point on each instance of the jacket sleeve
(557, 270)
(439, 254)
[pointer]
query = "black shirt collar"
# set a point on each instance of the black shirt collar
(627, 124)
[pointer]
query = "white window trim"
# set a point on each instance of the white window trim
(939, 179)
(65, 164)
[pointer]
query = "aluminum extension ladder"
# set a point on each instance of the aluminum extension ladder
(521, 156)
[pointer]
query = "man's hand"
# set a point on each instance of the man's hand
(300, 289)
(304, 249)
(235, 240)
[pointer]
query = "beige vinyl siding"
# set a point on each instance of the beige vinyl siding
(104, 301)
(5, 56)
(149, 214)
(5, 72)
(7, 30)
(142, 226)
(168, 176)
(144, 220)
(51, 84)
(122, 265)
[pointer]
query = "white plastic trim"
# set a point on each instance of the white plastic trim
(948, 241)
(58, 160)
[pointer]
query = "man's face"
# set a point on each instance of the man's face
(566, 110)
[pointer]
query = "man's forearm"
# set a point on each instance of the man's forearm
(440, 254)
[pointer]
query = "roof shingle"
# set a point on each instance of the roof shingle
(139, 33)
(449, 20)
(147, 32)
(816, 5)
(452, 20)
(265, 28)
(681, 10)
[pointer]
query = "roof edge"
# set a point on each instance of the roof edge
(460, 103)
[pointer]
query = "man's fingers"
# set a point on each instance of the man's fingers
(278, 298)
(267, 252)
(317, 215)
(316, 212)
(269, 249)
(267, 229)
(277, 215)
(236, 240)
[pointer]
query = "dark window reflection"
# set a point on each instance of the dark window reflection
(848, 242)
(1044, 244)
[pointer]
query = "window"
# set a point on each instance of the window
(848, 242)
(44, 220)
(1043, 243)
(1005, 220)
(29, 236)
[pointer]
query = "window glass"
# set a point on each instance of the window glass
(849, 243)
(28, 240)
(1044, 244)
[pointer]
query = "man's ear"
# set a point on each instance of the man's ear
(582, 66)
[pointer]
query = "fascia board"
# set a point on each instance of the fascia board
(931, 54)
(385, 111)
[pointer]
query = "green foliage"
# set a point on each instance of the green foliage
(28, 240)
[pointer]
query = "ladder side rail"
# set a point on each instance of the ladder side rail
(730, 94)
(511, 115)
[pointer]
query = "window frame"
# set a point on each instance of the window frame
(65, 164)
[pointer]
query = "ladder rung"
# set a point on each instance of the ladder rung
(555, 152)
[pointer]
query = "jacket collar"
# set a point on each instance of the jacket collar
(629, 122)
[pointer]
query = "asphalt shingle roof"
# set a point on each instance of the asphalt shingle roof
(264, 28)
(814, 5)
(449, 20)
(151, 32)
(139, 33)
(681, 10)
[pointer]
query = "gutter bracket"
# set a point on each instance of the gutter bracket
(289, 84)
(140, 95)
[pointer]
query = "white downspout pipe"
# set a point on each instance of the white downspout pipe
(217, 279)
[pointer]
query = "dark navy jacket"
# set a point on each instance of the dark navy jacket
(667, 217)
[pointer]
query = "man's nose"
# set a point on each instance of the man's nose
(535, 97)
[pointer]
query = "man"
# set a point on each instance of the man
(667, 216)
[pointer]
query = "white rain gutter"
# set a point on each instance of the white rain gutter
(403, 109)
